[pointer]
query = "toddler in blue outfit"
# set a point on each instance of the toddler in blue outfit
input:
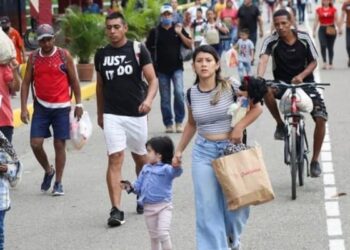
(154, 189)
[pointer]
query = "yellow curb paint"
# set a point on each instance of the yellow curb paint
(87, 91)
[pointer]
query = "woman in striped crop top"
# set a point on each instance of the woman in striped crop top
(208, 102)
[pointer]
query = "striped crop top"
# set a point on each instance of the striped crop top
(210, 119)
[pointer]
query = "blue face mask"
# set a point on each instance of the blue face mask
(166, 21)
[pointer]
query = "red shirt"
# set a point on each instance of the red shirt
(6, 77)
(51, 80)
(18, 42)
(229, 13)
(326, 15)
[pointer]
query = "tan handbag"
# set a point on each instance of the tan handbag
(243, 178)
(331, 31)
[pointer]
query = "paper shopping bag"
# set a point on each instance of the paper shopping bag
(243, 178)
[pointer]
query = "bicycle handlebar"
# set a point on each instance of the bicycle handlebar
(292, 85)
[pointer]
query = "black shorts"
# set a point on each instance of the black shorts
(319, 109)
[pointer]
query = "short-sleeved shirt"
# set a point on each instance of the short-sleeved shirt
(6, 77)
(18, 42)
(123, 88)
(326, 16)
(290, 60)
(198, 29)
(231, 14)
(248, 17)
(209, 118)
(346, 8)
(244, 50)
(168, 49)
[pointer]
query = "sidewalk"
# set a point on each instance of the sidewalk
(87, 90)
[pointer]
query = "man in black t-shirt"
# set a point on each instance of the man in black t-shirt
(164, 42)
(294, 59)
(123, 102)
(249, 17)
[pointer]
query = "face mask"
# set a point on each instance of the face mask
(166, 21)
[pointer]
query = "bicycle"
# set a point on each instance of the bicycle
(296, 147)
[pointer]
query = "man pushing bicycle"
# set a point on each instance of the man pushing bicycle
(294, 59)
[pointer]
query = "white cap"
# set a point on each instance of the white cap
(166, 8)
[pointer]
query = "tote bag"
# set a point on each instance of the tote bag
(243, 178)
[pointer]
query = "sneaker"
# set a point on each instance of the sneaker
(315, 169)
(57, 189)
(279, 132)
(46, 184)
(116, 217)
(139, 209)
(179, 128)
(169, 129)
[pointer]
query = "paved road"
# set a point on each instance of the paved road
(78, 220)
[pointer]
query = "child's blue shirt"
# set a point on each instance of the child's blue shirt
(154, 183)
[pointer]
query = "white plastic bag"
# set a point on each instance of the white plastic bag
(80, 131)
(7, 48)
(304, 102)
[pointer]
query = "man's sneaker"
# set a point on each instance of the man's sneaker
(116, 217)
(179, 128)
(46, 184)
(315, 169)
(57, 189)
(279, 132)
(169, 129)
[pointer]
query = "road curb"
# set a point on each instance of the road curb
(87, 91)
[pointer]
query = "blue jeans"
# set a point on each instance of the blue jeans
(214, 223)
(226, 44)
(2, 229)
(244, 68)
(165, 97)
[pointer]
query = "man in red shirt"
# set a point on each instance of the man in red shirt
(51, 72)
(15, 37)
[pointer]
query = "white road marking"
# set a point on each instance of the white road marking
(326, 156)
(334, 225)
(332, 208)
(327, 167)
(328, 179)
(336, 245)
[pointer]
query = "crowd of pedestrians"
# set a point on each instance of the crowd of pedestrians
(129, 74)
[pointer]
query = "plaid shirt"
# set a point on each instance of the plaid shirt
(7, 157)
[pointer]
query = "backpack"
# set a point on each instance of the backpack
(7, 49)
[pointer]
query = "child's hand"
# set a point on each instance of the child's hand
(177, 160)
(126, 185)
(3, 168)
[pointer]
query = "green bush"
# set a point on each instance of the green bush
(84, 33)
(141, 21)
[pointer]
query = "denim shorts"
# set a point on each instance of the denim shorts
(44, 117)
(319, 109)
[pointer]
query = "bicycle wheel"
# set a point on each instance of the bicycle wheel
(30, 40)
(294, 162)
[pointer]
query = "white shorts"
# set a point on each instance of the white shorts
(125, 131)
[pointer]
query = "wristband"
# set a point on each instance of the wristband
(79, 105)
